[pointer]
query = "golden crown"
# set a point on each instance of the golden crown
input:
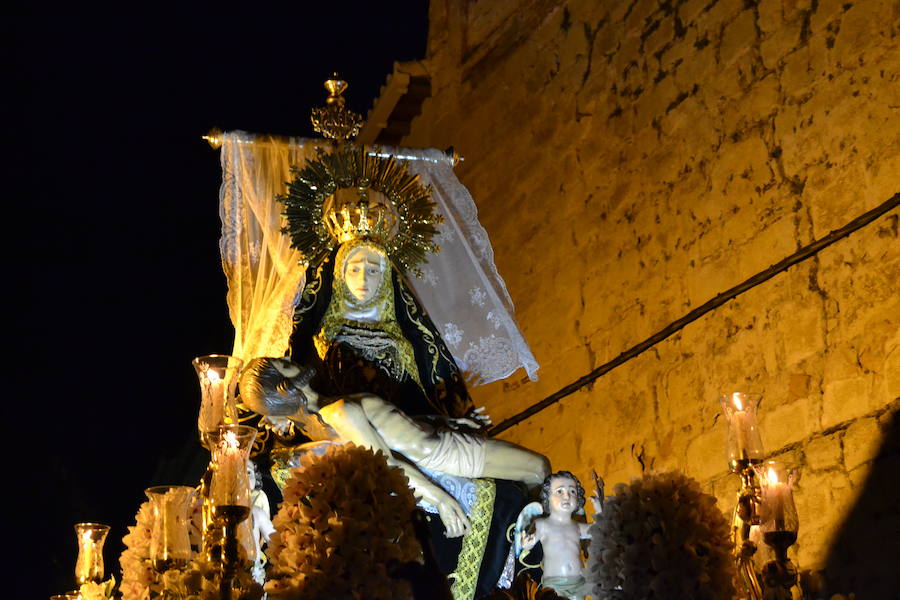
(348, 194)
(352, 214)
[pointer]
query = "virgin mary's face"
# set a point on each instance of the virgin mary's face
(364, 273)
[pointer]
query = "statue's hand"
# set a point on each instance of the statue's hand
(452, 516)
(598, 505)
(476, 419)
(528, 540)
(280, 425)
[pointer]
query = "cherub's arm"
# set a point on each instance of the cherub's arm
(530, 539)
(350, 422)
(584, 530)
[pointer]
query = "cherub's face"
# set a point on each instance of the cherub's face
(563, 495)
(364, 273)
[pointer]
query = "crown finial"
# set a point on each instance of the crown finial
(334, 121)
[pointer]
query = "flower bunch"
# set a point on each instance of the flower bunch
(343, 529)
(137, 572)
(661, 537)
(98, 591)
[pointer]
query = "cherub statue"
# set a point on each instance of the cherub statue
(559, 534)
(279, 388)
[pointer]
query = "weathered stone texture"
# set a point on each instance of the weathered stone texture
(632, 160)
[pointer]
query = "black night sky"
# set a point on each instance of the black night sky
(114, 226)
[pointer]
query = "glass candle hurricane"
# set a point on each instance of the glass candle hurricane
(229, 497)
(170, 544)
(778, 515)
(89, 564)
(230, 447)
(218, 376)
(744, 442)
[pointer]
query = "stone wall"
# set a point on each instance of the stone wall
(631, 160)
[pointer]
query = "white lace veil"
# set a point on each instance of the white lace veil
(461, 289)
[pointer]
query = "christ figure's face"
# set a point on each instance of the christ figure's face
(364, 273)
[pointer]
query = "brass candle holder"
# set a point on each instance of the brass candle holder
(779, 524)
(764, 504)
(744, 451)
(229, 501)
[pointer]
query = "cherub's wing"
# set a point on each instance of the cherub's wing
(523, 522)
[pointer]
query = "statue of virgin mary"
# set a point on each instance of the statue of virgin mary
(358, 322)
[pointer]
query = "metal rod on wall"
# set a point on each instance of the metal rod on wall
(720, 299)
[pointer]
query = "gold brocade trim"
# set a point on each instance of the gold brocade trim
(436, 352)
(427, 336)
(468, 565)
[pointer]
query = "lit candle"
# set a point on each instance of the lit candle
(171, 526)
(89, 564)
(741, 423)
(212, 407)
(85, 564)
(230, 468)
(776, 493)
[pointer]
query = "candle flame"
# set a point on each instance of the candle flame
(773, 476)
(231, 440)
(86, 537)
(213, 376)
(736, 398)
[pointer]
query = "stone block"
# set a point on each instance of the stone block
(826, 13)
(892, 369)
(797, 77)
(737, 38)
(697, 68)
(746, 159)
(824, 452)
(661, 36)
(707, 280)
(689, 10)
(767, 247)
(785, 424)
(859, 476)
(805, 336)
(862, 441)
(799, 385)
(860, 28)
(845, 399)
(760, 103)
(770, 16)
(823, 500)
(655, 102)
(640, 13)
(678, 50)
(706, 453)
(717, 14)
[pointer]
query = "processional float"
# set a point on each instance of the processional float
(334, 343)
